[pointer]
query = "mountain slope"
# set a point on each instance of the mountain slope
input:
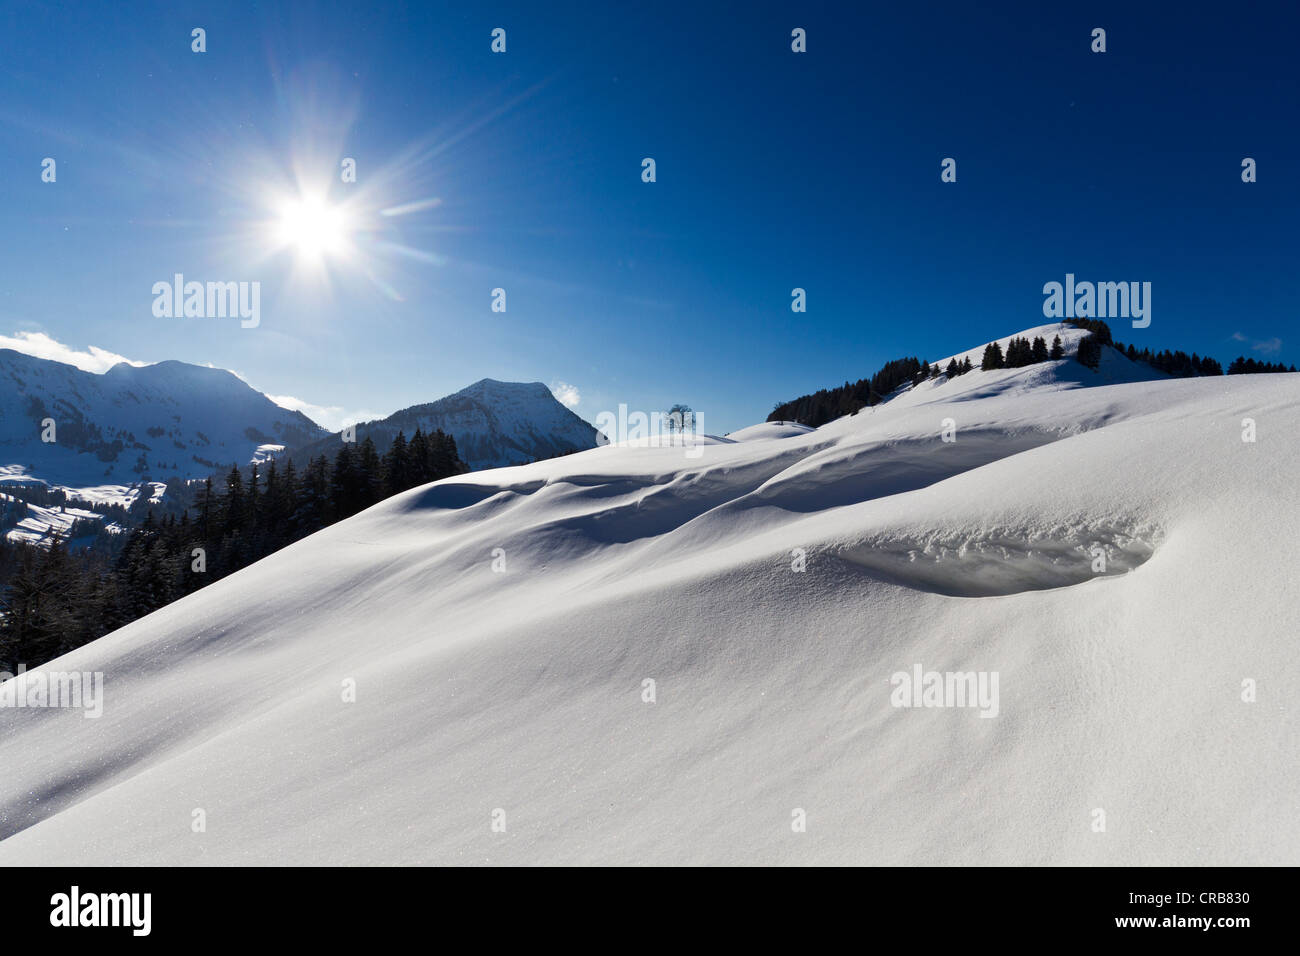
(521, 689)
(163, 420)
(494, 423)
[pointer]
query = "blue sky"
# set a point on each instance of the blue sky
(775, 170)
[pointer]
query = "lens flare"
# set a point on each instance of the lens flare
(312, 228)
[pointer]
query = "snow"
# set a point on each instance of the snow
(769, 430)
(494, 424)
(40, 523)
(168, 420)
(124, 495)
(501, 423)
(521, 690)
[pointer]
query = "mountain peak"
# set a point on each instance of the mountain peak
(492, 386)
(495, 424)
(132, 422)
(170, 368)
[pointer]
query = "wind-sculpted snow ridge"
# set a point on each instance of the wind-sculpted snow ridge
(629, 655)
(1005, 561)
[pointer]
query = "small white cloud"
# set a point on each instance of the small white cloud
(231, 371)
(566, 394)
(332, 417)
(40, 345)
(1267, 346)
(307, 408)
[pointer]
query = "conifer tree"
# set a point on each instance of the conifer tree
(1089, 353)
(234, 503)
(343, 483)
(396, 466)
(992, 357)
(418, 453)
(369, 477)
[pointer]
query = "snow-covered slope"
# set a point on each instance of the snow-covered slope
(769, 430)
(500, 628)
(494, 424)
(130, 423)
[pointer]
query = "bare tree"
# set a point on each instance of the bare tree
(680, 418)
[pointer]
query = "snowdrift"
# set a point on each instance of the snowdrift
(1115, 553)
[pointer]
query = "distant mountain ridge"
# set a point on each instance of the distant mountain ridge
(165, 420)
(495, 424)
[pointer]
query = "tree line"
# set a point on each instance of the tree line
(826, 405)
(1176, 363)
(1021, 352)
(1249, 366)
(54, 599)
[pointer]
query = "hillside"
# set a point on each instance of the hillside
(124, 433)
(522, 689)
(825, 405)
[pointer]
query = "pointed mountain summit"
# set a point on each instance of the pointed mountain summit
(495, 424)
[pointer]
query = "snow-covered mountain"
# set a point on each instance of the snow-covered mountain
(124, 433)
(494, 423)
(634, 656)
(163, 420)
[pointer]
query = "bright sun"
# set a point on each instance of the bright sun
(312, 228)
